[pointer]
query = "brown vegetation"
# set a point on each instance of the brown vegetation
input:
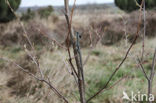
(112, 31)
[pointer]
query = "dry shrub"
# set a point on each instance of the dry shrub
(36, 36)
(60, 31)
(8, 34)
(132, 21)
(150, 25)
(93, 31)
(12, 34)
(116, 28)
(54, 18)
(112, 30)
(39, 33)
(110, 36)
(20, 83)
(150, 22)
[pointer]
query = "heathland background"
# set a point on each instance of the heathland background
(116, 30)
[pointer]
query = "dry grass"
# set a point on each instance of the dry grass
(101, 63)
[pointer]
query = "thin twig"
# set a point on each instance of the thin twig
(35, 61)
(153, 66)
(24, 70)
(142, 68)
(116, 83)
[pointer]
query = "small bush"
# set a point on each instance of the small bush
(20, 82)
(13, 34)
(130, 5)
(45, 12)
(28, 15)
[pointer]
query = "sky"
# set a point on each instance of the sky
(26, 3)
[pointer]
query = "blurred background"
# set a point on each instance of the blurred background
(113, 23)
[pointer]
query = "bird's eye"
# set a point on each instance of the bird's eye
(80, 36)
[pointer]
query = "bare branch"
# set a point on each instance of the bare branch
(24, 70)
(116, 83)
(35, 61)
(153, 66)
(142, 68)
(76, 51)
